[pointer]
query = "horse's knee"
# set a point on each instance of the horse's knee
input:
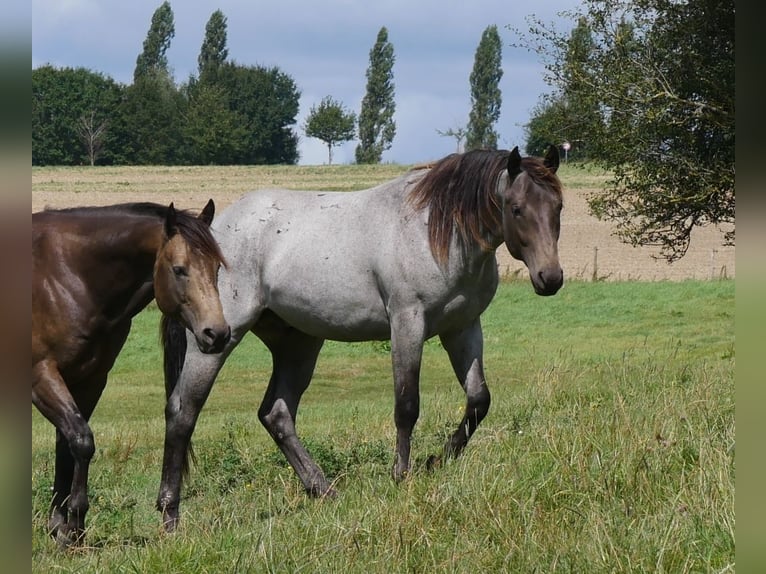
(406, 411)
(277, 419)
(478, 403)
(82, 446)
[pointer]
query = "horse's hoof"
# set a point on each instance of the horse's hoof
(68, 538)
(330, 493)
(322, 492)
(169, 523)
(433, 462)
(400, 475)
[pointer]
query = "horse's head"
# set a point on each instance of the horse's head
(531, 202)
(186, 277)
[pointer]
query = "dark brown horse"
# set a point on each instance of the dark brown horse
(93, 270)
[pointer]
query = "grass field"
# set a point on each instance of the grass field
(609, 447)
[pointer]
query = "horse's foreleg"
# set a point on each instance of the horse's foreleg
(407, 334)
(294, 355)
(181, 414)
(74, 450)
(465, 350)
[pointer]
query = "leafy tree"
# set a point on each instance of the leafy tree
(376, 118)
(213, 52)
(153, 107)
(566, 114)
(61, 98)
(485, 92)
(547, 125)
(266, 101)
(331, 123)
(161, 31)
(212, 132)
(151, 121)
(661, 76)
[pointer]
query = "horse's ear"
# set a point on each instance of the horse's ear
(171, 221)
(208, 212)
(514, 162)
(551, 159)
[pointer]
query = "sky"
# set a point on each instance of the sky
(325, 48)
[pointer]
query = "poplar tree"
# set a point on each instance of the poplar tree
(213, 52)
(485, 92)
(153, 106)
(161, 31)
(376, 118)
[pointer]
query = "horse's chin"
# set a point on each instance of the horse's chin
(545, 291)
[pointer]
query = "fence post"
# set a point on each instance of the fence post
(595, 264)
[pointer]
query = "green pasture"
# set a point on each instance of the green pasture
(609, 447)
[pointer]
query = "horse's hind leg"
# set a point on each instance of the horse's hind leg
(294, 356)
(465, 350)
(74, 450)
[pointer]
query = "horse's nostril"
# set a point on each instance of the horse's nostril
(217, 337)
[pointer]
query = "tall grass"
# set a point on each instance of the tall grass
(609, 447)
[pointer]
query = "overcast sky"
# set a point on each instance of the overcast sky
(324, 46)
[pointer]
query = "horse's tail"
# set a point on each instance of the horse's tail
(173, 336)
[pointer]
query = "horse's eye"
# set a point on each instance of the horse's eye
(516, 211)
(179, 271)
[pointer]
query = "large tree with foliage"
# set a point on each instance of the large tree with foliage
(151, 121)
(214, 51)
(485, 92)
(566, 114)
(266, 101)
(153, 108)
(661, 75)
(376, 117)
(547, 125)
(64, 103)
(330, 122)
(213, 134)
(161, 31)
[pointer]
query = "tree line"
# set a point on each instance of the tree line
(224, 114)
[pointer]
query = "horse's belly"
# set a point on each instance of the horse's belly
(341, 326)
(329, 316)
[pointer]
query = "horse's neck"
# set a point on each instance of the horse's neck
(125, 260)
(471, 260)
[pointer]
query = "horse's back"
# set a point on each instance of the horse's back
(314, 258)
(336, 265)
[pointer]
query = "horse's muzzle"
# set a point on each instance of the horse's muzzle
(213, 341)
(547, 281)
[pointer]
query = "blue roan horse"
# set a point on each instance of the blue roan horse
(406, 260)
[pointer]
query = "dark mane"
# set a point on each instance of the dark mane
(459, 190)
(194, 231)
